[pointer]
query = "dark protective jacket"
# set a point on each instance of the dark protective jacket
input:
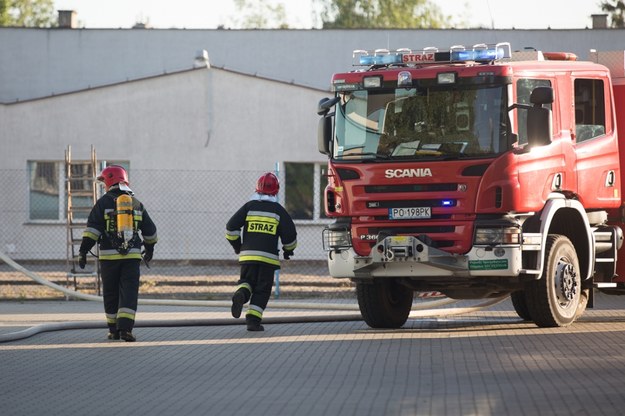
(101, 228)
(264, 224)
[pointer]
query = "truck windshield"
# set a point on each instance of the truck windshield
(421, 123)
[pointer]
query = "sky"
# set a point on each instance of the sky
(209, 14)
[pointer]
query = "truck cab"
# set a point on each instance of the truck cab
(477, 172)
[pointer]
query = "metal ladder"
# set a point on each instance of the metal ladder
(82, 192)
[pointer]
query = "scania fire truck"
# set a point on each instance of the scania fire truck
(478, 172)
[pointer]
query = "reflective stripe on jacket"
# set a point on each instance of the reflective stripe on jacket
(264, 225)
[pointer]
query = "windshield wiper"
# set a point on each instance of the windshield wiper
(364, 156)
(377, 155)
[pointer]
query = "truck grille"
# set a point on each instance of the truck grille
(432, 187)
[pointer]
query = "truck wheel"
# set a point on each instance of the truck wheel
(520, 305)
(384, 303)
(554, 299)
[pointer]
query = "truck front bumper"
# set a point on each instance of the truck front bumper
(407, 256)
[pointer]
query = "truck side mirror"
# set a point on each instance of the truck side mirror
(324, 134)
(539, 129)
(325, 104)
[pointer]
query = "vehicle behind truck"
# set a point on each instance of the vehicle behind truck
(477, 172)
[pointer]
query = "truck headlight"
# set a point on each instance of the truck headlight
(336, 239)
(497, 236)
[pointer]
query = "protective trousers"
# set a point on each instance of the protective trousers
(120, 290)
(256, 283)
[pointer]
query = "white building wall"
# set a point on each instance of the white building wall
(53, 61)
(169, 128)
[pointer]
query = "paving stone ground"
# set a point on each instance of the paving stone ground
(487, 362)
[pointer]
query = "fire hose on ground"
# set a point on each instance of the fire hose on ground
(423, 310)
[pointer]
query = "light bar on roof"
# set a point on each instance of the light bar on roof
(457, 53)
(379, 57)
(482, 53)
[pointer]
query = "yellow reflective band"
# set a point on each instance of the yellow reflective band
(262, 227)
(260, 258)
(290, 246)
(90, 235)
(120, 256)
(126, 315)
(261, 218)
(254, 313)
(232, 237)
(111, 320)
(245, 286)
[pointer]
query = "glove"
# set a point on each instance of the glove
(82, 259)
(236, 245)
(148, 252)
(287, 254)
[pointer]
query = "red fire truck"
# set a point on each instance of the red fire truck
(477, 172)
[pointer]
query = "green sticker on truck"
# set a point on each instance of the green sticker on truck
(499, 264)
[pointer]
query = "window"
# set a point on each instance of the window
(47, 189)
(303, 190)
(589, 109)
(524, 88)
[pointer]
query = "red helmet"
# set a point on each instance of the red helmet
(112, 175)
(268, 184)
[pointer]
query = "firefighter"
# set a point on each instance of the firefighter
(115, 222)
(254, 231)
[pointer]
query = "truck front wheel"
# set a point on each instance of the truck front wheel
(554, 299)
(520, 305)
(384, 303)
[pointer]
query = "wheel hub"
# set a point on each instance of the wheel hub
(566, 281)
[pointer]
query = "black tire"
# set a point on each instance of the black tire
(554, 299)
(583, 303)
(384, 303)
(520, 305)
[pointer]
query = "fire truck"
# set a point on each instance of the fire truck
(478, 172)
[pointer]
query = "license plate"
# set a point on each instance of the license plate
(409, 213)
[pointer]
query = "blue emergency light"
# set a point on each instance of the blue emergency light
(384, 59)
(476, 53)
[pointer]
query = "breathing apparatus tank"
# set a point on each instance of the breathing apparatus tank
(124, 219)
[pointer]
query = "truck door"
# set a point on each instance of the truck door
(598, 174)
(543, 169)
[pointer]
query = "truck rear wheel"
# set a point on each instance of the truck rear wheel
(554, 299)
(384, 303)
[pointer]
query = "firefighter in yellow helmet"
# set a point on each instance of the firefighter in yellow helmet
(264, 223)
(121, 225)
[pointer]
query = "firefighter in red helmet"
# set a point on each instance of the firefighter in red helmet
(121, 225)
(254, 232)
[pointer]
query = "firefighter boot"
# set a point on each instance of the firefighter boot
(126, 335)
(253, 323)
(238, 299)
(113, 335)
